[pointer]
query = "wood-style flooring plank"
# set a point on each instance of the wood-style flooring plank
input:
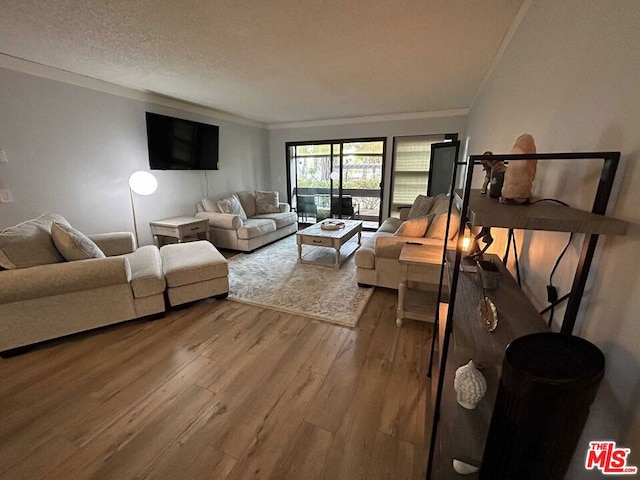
(122, 430)
(222, 390)
(210, 464)
(391, 459)
(305, 456)
(78, 414)
(276, 432)
(249, 379)
(241, 345)
(323, 356)
(149, 443)
(401, 401)
(353, 442)
(41, 460)
(336, 394)
(249, 418)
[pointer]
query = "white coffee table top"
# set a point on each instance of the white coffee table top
(316, 230)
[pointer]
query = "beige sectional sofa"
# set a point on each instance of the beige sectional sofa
(231, 231)
(377, 259)
(58, 298)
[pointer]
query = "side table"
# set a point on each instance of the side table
(181, 228)
(416, 299)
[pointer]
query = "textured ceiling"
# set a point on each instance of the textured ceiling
(271, 60)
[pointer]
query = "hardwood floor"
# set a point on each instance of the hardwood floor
(221, 390)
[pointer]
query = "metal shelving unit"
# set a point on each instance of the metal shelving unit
(459, 433)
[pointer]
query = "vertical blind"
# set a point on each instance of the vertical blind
(411, 159)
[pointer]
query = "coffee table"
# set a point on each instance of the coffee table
(337, 240)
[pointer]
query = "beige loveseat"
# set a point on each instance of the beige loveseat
(231, 231)
(47, 297)
(377, 259)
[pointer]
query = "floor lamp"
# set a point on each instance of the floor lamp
(142, 183)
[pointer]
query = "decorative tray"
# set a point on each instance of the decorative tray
(332, 225)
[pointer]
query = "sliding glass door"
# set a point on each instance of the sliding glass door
(337, 179)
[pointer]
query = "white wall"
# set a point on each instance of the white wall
(71, 150)
(278, 137)
(571, 78)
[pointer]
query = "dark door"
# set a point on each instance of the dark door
(443, 157)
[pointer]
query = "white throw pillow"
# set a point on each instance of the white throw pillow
(267, 202)
(416, 227)
(29, 243)
(421, 207)
(74, 245)
(232, 206)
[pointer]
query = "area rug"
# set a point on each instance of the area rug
(271, 277)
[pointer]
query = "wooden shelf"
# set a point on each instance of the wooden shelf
(549, 216)
(461, 432)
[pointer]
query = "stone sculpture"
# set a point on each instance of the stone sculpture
(518, 179)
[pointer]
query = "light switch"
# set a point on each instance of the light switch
(3, 157)
(6, 196)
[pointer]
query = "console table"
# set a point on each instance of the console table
(180, 228)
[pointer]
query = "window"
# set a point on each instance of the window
(411, 163)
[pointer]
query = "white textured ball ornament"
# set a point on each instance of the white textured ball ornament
(469, 385)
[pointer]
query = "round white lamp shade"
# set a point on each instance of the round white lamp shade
(143, 183)
(334, 176)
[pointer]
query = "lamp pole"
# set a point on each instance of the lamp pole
(142, 183)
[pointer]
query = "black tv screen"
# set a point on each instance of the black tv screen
(176, 144)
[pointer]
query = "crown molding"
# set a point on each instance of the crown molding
(371, 119)
(39, 70)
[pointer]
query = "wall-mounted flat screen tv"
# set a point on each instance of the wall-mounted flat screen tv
(176, 144)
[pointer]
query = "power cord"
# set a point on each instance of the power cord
(552, 291)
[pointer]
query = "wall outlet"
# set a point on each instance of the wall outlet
(6, 196)
(3, 157)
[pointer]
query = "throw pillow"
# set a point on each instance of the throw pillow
(439, 225)
(267, 202)
(416, 227)
(232, 206)
(72, 244)
(210, 204)
(29, 243)
(421, 207)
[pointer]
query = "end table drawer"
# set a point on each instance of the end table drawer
(193, 229)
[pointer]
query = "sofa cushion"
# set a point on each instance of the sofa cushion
(73, 244)
(267, 202)
(256, 227)
(147, 277)
(416, 227)
(232, 206)
(421, 207)
(29, 243)
(281, 219)
(248, 201)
